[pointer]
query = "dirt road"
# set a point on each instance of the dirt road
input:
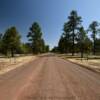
(50, 78)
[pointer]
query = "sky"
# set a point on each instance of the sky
(50, 14)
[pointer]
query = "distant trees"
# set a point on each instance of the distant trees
(25, 48)
(47, 49)
(55, 49)
(36, 40)
(65, 43)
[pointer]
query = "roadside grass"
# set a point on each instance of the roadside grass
(92, 62)
(7, 64)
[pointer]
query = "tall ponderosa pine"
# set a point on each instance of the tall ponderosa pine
(11, 41)
(67, 37)
(94, 29)
(73, 25)
(35, 37)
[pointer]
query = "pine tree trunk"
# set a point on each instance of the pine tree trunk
(82, 51)
(94, 45)
(12, 53)
(94, 48)
(73, 49)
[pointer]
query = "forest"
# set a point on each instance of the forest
(76, 39)
(10, 42)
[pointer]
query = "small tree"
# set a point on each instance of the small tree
(55, 50)
(25, 48)
(94, 29)
(47, 48)
(87, 46)
(11, 41)
(81, 40)
(61, 45)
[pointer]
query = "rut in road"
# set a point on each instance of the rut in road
(61, 80)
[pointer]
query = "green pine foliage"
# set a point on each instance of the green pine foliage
(36, 40)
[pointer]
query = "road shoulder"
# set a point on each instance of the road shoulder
(84, 64)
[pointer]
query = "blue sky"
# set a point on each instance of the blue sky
(50, 14)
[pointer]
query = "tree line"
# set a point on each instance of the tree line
(76, 39)
(10, 42)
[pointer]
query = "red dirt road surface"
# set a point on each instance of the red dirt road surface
(50, 78)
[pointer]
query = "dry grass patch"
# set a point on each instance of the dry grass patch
(7, 64)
